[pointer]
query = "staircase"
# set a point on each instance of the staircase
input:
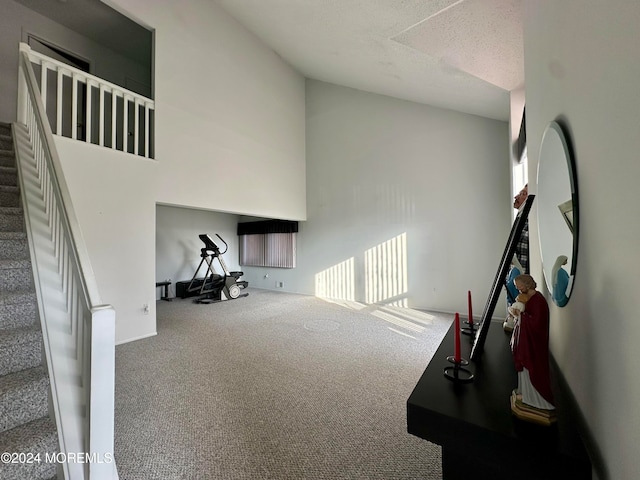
(25, 425)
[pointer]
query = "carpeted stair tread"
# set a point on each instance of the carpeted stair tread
(20, 348)
(23, 397)
(7, 158)
(12, 211)
(6, 141)
(13, 236)
(15, 274)
(16, 297)
(18, 308)
(14, 245)
(10, 263)
(9, 195)
(36, 437)
(11, 219)
(8, 176)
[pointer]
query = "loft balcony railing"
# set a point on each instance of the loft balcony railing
(83, 107)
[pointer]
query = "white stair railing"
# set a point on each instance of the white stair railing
(118, 118)
(79, 332)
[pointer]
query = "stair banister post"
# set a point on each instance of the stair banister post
(125, 122)
(102, 380)
(101, 116)
(147, 130)
(59, 102)
(74, 106)
(44, 68)
(88, 115)
(114, 116)
(23, 94)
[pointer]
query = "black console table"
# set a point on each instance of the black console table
(480, 438)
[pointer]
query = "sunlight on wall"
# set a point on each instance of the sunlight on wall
(337, 282)
(386, 272)
(386, 286)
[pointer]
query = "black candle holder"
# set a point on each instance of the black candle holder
(471, 329)
(457, 373)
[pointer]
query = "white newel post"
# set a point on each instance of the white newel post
(102, 402)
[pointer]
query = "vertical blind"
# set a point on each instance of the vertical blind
(270, 243)
(268, 250)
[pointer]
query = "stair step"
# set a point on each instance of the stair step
(7, 158)
(12, 219)
(20, 348)
(36, 437)
(18, 309)
(9, 196)
(8, 176)
(13, 235)
(6, 142)
(23, 397)
(6, 139)
(14, 245)
(15, 274)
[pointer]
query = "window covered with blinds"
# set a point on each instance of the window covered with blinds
(270, 243)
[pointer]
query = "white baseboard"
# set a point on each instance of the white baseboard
(141, 337)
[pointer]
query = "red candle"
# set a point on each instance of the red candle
(456, 351)
(470, 312)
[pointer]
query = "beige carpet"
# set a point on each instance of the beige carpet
(274, 386)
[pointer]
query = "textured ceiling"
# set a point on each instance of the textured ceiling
(460, 54)
(480, 37)
(464, 55)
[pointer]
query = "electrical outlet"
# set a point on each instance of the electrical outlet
(280, 284)
(145, 308)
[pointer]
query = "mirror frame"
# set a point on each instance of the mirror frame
(499, 280)
(573, 224)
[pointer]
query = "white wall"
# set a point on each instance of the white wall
(16, 21)
(178, 246)
(114, 198)
(581, 65)
(229, 136)
(377, 168)
(229, 113)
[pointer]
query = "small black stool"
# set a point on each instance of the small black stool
(166, 290)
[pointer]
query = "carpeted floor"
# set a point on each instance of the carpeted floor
(274, 386)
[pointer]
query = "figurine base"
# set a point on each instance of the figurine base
(528, 413)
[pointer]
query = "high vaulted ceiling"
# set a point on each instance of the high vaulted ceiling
(465, 55)
(460, 54)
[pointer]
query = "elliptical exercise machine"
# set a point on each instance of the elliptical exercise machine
(214, 287)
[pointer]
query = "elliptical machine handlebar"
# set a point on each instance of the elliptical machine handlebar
(210, 244)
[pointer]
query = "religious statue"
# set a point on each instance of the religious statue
(512, 292)
(560, 281)
(533, 399)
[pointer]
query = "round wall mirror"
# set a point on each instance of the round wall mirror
(557, 202)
